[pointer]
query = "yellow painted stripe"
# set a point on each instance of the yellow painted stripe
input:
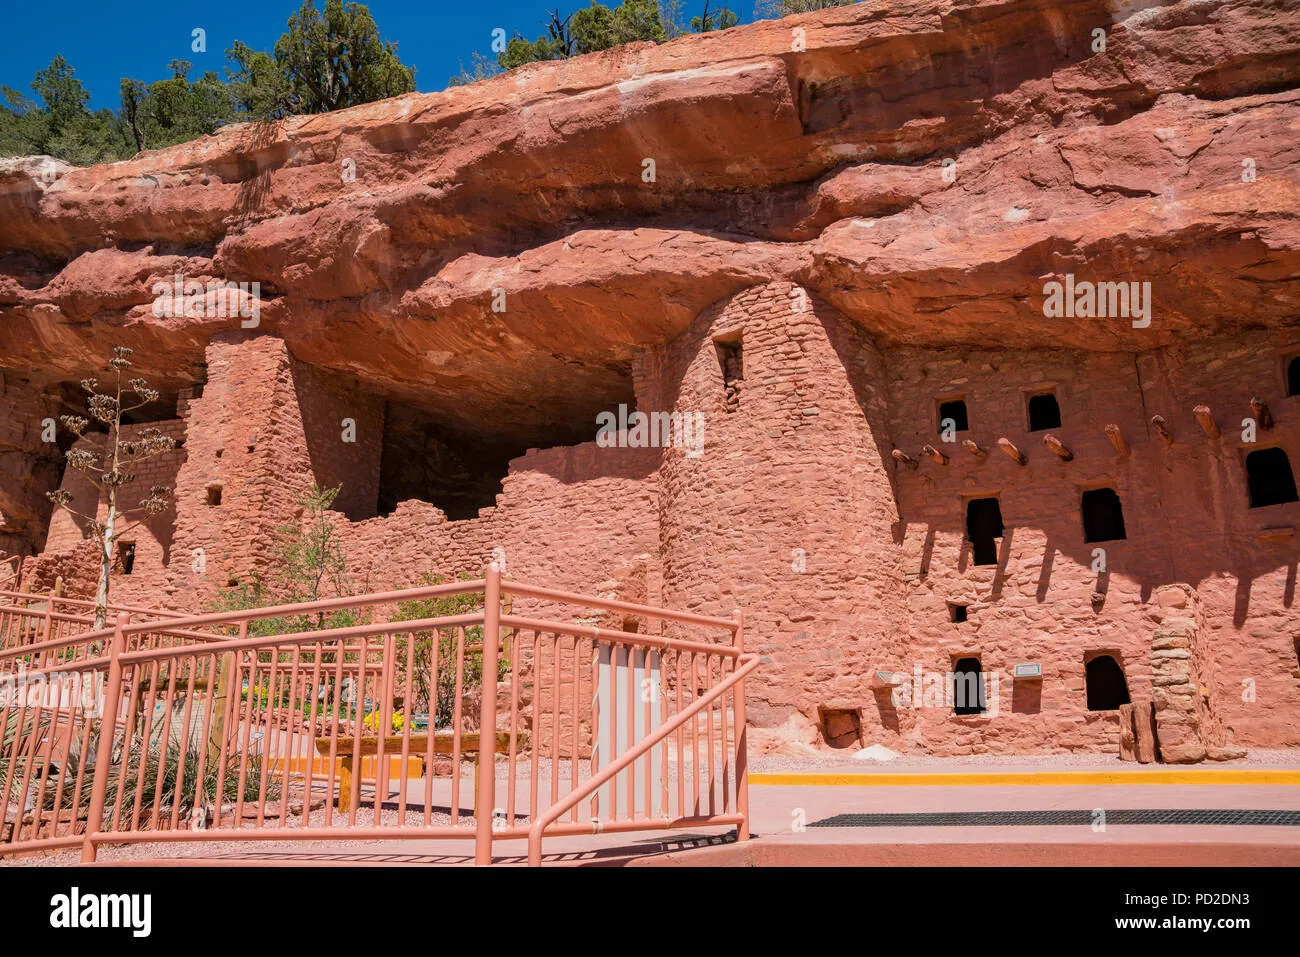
(1058, 778)
(321, 765)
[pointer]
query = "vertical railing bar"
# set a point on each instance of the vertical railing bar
(185, 742)
(435, 640)
(383, 715)
(339, 715)
(292, 734)
(631, 731)
(695, 733)
(406, 729)
(268, 723)
(135, 673)
(485, 805)
(613, 729)
(681, 742)
(535, 740)
(455, 725)
(594, 763)
(742, 735)
(708, 712)
(209, 719)
(309, 773)
(648, 690)
(513, 765)
(245, 734)
(726, 753)
(573, 720)
(166, 745)
(359, 729)
(556, 707)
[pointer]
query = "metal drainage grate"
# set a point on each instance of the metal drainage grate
(1074, 817)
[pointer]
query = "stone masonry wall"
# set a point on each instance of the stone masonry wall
(789, 512)
(1186, 514)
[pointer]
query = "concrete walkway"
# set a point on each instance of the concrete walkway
(782, 815)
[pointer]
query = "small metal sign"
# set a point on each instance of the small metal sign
(1028, 671)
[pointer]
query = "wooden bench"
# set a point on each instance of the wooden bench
(418, 747)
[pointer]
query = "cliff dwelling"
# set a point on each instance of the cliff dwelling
(908, 461)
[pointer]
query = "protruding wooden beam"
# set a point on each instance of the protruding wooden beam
(1055, 444)
(973, 449)
(1262, 414)
(1006, 446)
(1206, 418)
(934, 454)
(1158, 423)
(902, 458)
(1117, 439)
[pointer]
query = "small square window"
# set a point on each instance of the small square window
(952, 415)
(1044, 412)
(214, 495)
(956, 612)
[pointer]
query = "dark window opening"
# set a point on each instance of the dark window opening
(1268, 473)
(956, 612)
(1107, 689)
(968, 687)
(125, 557)
(731, 359)
(1293, 376)
(983, 529)
(954, 409)
(1103, 516)
(214, 495)
(1044, 412)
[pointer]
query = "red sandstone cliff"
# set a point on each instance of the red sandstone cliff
(875, 196)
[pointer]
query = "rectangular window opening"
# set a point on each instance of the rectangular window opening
(983, 529)
(952, 416)
(125, 561)
(731, 359)
(1044, 412)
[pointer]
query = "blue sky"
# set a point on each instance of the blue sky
(105, 40)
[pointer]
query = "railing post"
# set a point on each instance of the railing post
(742, 737)
(487, 732)
(104, 750)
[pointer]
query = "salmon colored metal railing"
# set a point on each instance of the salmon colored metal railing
(217, 728)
